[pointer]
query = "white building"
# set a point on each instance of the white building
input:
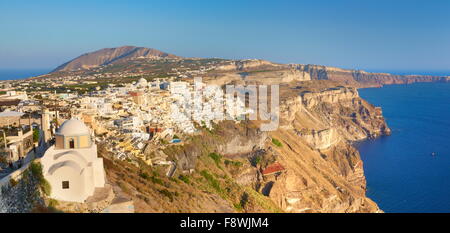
(21, 95)
(178, 88)
(71, 165)
(142, 83)
(131, 123)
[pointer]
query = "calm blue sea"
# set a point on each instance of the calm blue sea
(12, 74)
(416, 72)
(402, 175)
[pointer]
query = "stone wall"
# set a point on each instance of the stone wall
(6, 121)
(20, 193)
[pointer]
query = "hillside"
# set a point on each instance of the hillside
(225, 169)
(108, 56)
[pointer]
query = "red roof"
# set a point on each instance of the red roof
(273, 168)
(135, 93)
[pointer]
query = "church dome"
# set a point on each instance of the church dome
(142, 82)
(73, 127)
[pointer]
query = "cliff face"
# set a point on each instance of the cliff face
(267, 77)
(230, 139)
(231, 168)
(249, 64)
(320, 139)
(329, 96)
(213, 174)
(324, 173)
(270, 73)
(360, 78)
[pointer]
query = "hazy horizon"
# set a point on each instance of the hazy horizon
(379, 35)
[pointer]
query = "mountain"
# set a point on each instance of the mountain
(108, 56)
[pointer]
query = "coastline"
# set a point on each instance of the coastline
(18, 74)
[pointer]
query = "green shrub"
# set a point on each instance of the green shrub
(276, 142)
(45, 187)
(13, 182)
(237, 206)
(216, 157)
(166, 193)
(36, 171)
(156, 180)
(52, 202)
(185, 179)
(174, 180)
(255, 160)
(153, 178)
(244, 200)
(35, 135)
(233, 163)
(144, 175)
(163, 142)
(211, 181)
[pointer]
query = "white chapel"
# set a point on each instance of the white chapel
(71, 165)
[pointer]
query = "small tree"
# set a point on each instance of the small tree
(244, 199)
(36, 170)
(35, 135)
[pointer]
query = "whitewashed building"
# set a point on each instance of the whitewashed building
(71, 165)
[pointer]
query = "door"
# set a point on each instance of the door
(71, 143)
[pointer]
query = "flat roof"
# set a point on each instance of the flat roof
(11, 114)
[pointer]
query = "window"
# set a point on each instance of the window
(65, 184)
(71, 143)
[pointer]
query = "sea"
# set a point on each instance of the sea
(409, 171)
(14, 74)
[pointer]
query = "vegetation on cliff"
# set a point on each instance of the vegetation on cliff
(238, 168)
(28, 193)
(209, 187)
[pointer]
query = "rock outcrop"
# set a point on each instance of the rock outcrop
(248, 64)
(329, 96)
(360, 78)
(320, 139)
(269, 77)
(324, 173)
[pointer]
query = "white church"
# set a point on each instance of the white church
(71, 165)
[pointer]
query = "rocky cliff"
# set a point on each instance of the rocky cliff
(248, 64)
(324, 173)
(265, 71)
(361, 78)
(307, 165)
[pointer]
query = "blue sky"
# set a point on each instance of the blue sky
(373, 35)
